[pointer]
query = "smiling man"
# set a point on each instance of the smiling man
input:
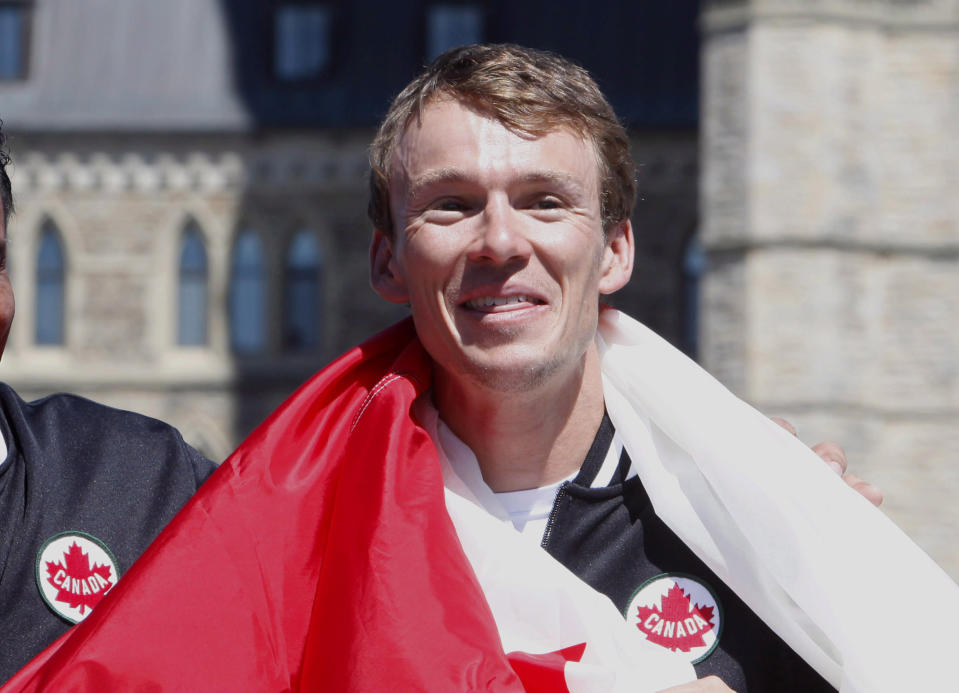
(498, 245)
(503, 191)
(382, 530)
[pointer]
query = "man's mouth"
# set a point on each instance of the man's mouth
(491, 303)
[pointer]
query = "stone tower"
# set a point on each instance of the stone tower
(830, 165)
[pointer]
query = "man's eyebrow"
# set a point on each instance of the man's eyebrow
(434, 177)
(555, 177)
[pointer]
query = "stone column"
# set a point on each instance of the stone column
(830, 216)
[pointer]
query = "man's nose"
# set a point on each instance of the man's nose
(500, 235)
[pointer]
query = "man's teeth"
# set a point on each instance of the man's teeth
(490, 301)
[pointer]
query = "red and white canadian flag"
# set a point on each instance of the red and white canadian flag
(322, 556)
(326, 555)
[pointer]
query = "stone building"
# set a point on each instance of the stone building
(830, 161)
(190, 178)
(191, 239)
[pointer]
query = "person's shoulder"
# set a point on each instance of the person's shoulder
(7, 392)
(65, 405)
(97, 426)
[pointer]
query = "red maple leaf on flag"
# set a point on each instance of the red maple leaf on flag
(78, 583)
(676, 623)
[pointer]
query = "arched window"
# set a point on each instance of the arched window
(192, 288)
(247, 294)
(301, 316)
(49, 314)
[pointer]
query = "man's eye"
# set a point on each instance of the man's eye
(450, 206)
(548, 203)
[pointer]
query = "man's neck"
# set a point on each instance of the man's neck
(526, 439)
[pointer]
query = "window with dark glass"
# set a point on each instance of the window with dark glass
(452, 25)
(51, 272)
(302, 40)
(192, 289)
(304, 272)
(13, 40)
(247, 294)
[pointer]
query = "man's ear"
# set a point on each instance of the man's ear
(617, 258)
(385, 277)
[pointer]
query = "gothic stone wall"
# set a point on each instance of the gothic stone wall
(121, 204)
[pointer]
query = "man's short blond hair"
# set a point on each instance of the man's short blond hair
(529, 91)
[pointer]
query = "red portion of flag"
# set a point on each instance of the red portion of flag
(320, 556)
(545, 673)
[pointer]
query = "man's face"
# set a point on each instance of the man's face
(498, 246)
(6, 291)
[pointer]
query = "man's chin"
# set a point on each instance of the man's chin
(518, 376)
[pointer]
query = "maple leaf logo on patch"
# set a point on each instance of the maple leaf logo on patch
(78, 583)
(676, 623)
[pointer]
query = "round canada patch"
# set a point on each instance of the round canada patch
(678, 612)
(74, 572)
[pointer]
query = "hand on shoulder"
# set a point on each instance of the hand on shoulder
(833, 455)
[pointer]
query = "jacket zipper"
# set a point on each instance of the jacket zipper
(553, 513)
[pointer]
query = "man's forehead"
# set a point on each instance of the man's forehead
(450, 136)
(419, 122)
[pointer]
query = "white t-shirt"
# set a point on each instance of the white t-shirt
(528, 509)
